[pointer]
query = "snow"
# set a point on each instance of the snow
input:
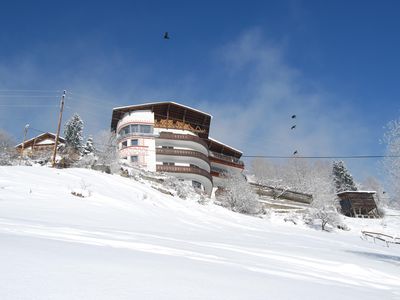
(155, 103)
(225, 145)
(125, 240)
(358, 191)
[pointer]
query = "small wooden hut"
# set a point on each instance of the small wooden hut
(358, 204)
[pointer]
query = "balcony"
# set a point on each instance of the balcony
(185, 170)
(182, 152)
(229, 160)
(183, 137)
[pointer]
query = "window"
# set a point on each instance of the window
(124, 131)
(134, 142)
(146, 129)
(136, 128)
(134, 158)
(196, 184)
(167, 147)
(124, 144)
(168, 164)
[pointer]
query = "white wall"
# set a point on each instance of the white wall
(146, 148)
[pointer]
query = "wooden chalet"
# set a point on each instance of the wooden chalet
(358, 204)
(39, 145)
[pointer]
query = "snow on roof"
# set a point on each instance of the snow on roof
(162, 102)
(40, 135)
(225, 145)
(361, 192)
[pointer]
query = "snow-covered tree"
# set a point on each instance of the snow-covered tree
(89, 146)
(7, 150)
(314, 178)
(299, 175)
(73, 131)
(372, 184)
(342, 178)
(239, 195)
(391, 162)
(326, 215)
(106, 149)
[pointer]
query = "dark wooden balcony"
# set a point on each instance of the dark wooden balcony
(182, 152)
(183, 137)
(227, 160)
(186, 170)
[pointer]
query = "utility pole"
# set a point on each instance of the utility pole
(58, 128)
(23, 143)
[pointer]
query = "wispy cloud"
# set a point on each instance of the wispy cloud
(268, 92)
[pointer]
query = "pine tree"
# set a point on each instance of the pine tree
(342, 178)
(89, 147)
(73, 132)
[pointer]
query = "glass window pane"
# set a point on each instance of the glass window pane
(134, 128)
(134, 142)
(144, 128)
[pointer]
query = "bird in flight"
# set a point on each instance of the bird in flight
(293, 116)
(293, 127)
(166, 35)
(295, 152)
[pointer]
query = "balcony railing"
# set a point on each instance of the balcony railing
(182, 169)
(182, 152)
(183, 137)
(226, 158)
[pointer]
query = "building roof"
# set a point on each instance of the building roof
(219, 147)
(167, 110)
(39, 138)
(356, 192)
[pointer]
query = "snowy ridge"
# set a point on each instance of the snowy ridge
(126, 240)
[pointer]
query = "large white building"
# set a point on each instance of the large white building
(173, 138)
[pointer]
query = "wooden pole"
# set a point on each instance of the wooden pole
(58, 129)
(23, 143)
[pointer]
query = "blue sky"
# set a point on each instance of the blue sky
(251, 64)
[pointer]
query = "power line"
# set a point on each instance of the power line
(34, 91)
(27, 105)
(26, 96)
(323, 157)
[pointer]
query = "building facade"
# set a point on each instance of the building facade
(173, 138)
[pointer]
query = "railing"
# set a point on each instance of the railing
(182, 152)
(226, 158)
(121, 137)
(183, 137)
(182, 169)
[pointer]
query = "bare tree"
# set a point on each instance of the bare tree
(327, 215)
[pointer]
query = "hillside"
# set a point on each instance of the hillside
(129, 241)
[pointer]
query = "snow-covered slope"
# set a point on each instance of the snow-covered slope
(129, 241)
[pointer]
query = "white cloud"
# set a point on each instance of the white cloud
(258, 120)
